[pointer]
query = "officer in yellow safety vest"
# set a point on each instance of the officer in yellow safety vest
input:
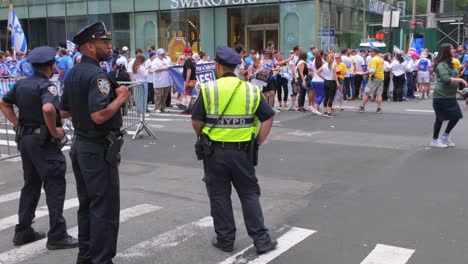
(227, 114)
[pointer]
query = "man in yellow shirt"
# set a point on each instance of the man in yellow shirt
(376, 77)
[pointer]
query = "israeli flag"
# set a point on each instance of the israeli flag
(18, 39)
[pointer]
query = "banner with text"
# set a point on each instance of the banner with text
(205, 73)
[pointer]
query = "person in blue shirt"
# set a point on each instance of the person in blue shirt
(249, 60)
(25, 66)
(65, 65)
(76, 56)
(4, 72)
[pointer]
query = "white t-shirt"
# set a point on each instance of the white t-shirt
(141, 74)
(347, 61)
(130, 64)
(162, 78)
(149, 78)
(398, 68)
(359, 62)
(316, 77)
(327, 73)
(423, 66)
(386, 66)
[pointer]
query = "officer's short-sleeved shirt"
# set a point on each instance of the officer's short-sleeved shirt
(263, 113)
(89, 89)
(29, 95)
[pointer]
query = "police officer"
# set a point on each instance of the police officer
(39, 130)
(228, 112)
(93, 101)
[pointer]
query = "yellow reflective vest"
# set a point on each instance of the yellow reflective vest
(239, 121)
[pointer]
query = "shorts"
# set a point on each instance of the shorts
(446, 109)
(374, 87)
(423, 79)
(271, 86)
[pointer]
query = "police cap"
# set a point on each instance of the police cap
(41, 55)
(96, 30)
(227, 57)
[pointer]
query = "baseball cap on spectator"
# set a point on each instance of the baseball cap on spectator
(151, 54)
(252, 52)
(187, 50)
(160, 51)
(124, 48)
(374, 50)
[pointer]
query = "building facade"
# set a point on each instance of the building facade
(200, 24)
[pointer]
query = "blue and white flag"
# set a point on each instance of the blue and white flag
(18, 39)
(204, 72)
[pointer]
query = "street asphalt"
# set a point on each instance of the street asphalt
(358, 188)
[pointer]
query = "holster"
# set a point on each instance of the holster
(254, 147)
(113, 149)
(19, 133)
(203, 147)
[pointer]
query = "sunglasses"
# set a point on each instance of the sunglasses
(181, 59)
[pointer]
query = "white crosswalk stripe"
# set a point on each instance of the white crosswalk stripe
(37, 248)
(9, 197)
(285, 242)
(166, 240)
(384, 254)
(10, 221)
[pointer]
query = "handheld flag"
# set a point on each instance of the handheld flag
(18, 39)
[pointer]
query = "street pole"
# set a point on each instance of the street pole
(317, 21)
(390, 34)
(364, 27)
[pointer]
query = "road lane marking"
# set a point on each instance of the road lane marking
(9, 197)
(301, 133)
(385, 254)
(419, 110)
(8, 143)
(168, 239)
(294, 236)
(39, 247)
(11, 221)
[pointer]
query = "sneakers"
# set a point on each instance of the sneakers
(379, 110)
(27, 236)
(361, 109)
(327, 114)
(292, 109)
(437, 143)
(447, 141)
(315, 111)
(277, 111)
(65, 243)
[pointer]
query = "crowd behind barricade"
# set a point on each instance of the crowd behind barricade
(298, 81)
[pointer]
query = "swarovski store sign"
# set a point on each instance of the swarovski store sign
(176, 4)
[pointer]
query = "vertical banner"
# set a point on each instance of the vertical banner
(205, 73)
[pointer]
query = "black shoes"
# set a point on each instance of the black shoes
(27, 235)
(220, 246)
(65, 243)
(266, 247)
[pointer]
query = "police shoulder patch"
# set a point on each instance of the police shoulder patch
(53, 90)
(103, 86)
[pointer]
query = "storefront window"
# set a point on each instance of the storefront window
(74, 24)
(37, 37)
(145, 30)
(253, 26)
(56, 31)
(177, 30)
(121, 30)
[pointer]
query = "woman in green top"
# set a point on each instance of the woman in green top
(444, 99)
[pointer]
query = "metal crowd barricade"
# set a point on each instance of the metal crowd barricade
(133, 111)
(8, 147)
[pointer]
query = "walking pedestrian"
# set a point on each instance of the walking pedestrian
(227, 161)
(162, 81)
(374, 87)
(43, 162)
(328, 71)
(93, 99)
(444, 100)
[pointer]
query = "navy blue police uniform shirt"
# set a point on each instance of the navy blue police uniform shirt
(89, 89)
(30, 94)
(263, 113)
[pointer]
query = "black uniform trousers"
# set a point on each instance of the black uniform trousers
(97, 183)
(223, 168)
(43, 164)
